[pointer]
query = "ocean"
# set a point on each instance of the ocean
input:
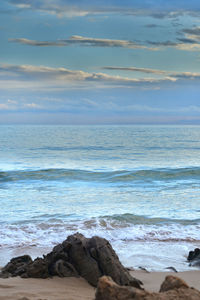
(137, 186)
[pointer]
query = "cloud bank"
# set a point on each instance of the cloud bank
(29, 76)
(190, 42)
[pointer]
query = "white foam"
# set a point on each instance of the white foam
(150, 246)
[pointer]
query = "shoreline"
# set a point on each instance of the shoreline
(56, 275)
(141, 256)
(16, 288)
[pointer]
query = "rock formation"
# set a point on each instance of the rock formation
(76, 256)
(172, 288)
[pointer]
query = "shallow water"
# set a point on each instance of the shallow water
(137, 186)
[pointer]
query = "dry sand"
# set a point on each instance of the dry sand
(77, 288)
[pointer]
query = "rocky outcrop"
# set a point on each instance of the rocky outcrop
(76, 256)
(194, 257)
(172, 288)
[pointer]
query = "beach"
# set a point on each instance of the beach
(77, 288)
(99, 149)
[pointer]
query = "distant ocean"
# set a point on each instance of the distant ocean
(137, 186)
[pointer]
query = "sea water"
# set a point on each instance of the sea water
(137, 186)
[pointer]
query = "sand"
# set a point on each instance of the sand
(77, 288)
(152, 281)
(46, 289)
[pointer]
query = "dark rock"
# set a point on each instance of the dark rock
(37, 269)
(108, 262)
(16, 267)
(82, 260)
(62, 268)
(172, 269)
(172, 288)
(194, 257)
(194, 254)
(76, 256)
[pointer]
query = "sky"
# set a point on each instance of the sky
(99, 62)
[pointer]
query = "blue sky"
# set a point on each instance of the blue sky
(100, 62)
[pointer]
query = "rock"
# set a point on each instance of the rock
(81, 258)
(76, 256)
(108, 262)
(16, 267)
(107, 289)
(62, 268)
(194, 254)
(172, 282)
(172, 269)
(177, 289)
(37, 269)
(194, 257)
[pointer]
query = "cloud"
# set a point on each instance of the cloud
(60, 8)
(134, 69)
(33, 105)
(8, 105)
(23, 5)
(4, 106)
(185, 46)
(96, 42)
(13, 105)
(186, 40)
(12, 101)
(188, 47)
(159, 9)
(187, 43)
(191, 34)
(42, 77)
(195, 31)
(29, 76)
(83, 41)
(153, 26)
(167, 74)
(190, 41)
(37, 43)
(186, 75)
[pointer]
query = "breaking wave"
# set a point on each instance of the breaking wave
(160, 174)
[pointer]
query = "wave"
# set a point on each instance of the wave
(146, 175)
(135, 219)
(77, 148)
(47, 234)
(47, 230)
